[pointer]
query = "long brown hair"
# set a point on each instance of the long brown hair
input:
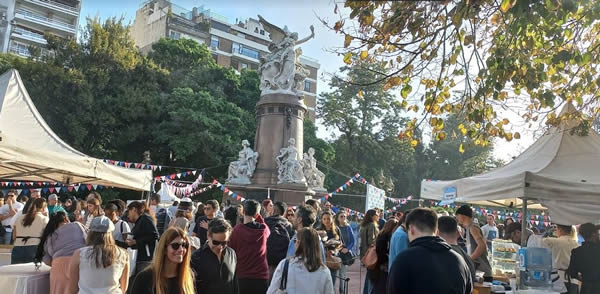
(97, 210)
(308, 249)
(390, 226)
(37, 205)
(104, 251)
(333, 226)
(185, 278)
(369, 217)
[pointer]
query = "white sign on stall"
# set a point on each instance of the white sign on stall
(375, 198)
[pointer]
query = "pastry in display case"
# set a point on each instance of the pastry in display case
(505, 257)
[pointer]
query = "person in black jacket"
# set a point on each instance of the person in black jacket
(584, 260)
(429, 265)
(144, 233)
(215, 263)
(281, 233)
(210, 212)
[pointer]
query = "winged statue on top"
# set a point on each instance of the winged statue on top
(280, 70)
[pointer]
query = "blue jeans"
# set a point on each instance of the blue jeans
(23, 254)
(6, 238)
(333, 277)
(342, 276)
(368, 287)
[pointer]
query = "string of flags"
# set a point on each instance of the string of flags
(58, 189)
(356, 177)
(183, 190)
(175, 176)
(134, 164)
(534, 219)
(226, 190)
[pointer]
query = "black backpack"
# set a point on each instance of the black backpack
(277, 244)
(162, 220)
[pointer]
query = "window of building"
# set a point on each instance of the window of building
(249, 52)
(256, 30)
(244, 65)
(306, 85)
(214, 42)
(175, 35)
(262, 32)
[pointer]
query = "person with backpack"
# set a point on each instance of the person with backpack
(121, 228)
(163, 218)
(281, 233)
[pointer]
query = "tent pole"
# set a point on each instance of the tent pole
(524, 221)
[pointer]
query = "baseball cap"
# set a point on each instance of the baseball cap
(587, 230)
(102, 224)
(513, 227)
(185, 204)
(53, 196)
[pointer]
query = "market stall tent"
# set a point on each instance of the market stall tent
(31, 151)
(559, 171)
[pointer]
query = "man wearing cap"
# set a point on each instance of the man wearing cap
(584, 260)
(53, 205)
(476, 245)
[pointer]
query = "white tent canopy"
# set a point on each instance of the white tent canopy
(31, 151)
(560, 171)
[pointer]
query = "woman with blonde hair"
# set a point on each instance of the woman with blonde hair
(101, 266)
(170, 271)
(93, 210)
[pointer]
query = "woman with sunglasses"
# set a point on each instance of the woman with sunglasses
(347, 238)
(306, 271)
(170, 271)
(290, 215)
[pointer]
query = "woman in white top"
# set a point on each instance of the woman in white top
(101, 266)
(306, 265)
(561, 256)
(27, 232)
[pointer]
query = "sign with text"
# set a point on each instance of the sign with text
(375, 198)
(449, 195)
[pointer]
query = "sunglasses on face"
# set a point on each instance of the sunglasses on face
(176, 245)
(220, 243)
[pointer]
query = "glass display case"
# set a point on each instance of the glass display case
(504, 257)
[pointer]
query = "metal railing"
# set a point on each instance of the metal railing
(20, 50)
(30, 34)
(57, 4)
(43, 18)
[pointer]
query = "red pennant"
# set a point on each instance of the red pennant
(70, 188)
(337, 190)
(51, 190)
(238, 198)
(226, 190)
(89, 187)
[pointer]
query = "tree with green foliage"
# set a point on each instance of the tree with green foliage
(526, 55)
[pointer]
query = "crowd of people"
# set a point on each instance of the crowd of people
(268, 247)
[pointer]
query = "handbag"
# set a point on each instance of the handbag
(347, 258)
(284, 275)
(370, 258)
(333, 262)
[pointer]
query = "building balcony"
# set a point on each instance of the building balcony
(45, 21)
(28, 36)
(57, 6)
(19, 50)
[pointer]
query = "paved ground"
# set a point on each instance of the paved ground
(357, 277)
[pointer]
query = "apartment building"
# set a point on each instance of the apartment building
(238, 45)
(23, 23)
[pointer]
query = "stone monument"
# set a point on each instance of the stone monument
(280, 116)
(241, 170)
(314, 177)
